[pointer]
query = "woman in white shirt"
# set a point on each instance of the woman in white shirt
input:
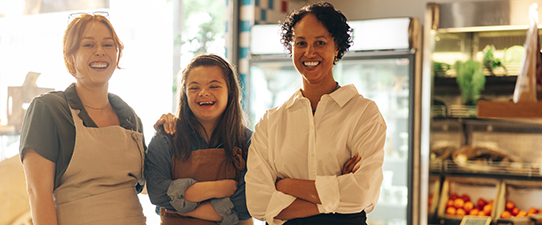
(296, 163)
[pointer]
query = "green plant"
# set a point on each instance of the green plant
(203, 23)
(471, 80)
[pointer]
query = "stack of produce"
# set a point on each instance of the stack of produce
(462, 205)
(512, 211)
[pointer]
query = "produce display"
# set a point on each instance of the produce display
(512, 211)
(462, 205)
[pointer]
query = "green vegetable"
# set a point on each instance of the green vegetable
(513, 54)
(471, 80)
(490, 62)
(440, 68)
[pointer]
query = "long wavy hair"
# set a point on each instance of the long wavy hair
(333, 20)
(230, 130)
(73, 36)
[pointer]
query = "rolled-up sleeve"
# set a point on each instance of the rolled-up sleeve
(263, 200)
(163, 191)
(234, 208)
(353, 192)
(176, 194)
(224, 207)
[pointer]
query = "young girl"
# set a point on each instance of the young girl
(196, 176)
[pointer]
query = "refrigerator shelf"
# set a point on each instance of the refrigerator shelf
(435, 166)
(498, 168)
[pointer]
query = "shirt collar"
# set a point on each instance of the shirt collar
(344, 94)
(126, 115)
(341, 96)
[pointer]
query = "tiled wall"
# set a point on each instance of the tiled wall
(259, 12)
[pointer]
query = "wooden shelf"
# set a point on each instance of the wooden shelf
(497, 109)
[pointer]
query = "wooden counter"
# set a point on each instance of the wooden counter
(497, 109)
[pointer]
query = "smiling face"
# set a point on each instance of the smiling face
(313, 50)
(96, 59)
(207, 94)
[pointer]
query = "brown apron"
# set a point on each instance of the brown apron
(202, 165)
(98, 186)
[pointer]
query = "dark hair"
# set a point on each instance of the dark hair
(333, 20)
(230, 130)
(74, 32)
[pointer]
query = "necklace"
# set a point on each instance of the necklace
(101, 108)
(336, 87)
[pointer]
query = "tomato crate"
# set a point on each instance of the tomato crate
(474, 196)
(521, 203)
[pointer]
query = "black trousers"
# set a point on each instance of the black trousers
(331, 219)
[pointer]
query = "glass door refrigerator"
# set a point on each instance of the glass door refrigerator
(384, 65)
(492, 36)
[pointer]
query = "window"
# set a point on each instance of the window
(160, 38)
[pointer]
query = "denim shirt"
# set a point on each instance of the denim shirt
(160, 186)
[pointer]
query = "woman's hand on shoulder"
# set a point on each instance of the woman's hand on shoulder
(168, 121)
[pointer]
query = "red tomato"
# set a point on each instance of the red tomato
(465, 197)
(481, 203)
(509, 205)
(454, 196)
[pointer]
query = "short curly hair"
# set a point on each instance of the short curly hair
(333, 20)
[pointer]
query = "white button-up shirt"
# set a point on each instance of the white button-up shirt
(289, 142)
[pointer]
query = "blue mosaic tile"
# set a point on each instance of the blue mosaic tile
(245, 26)
(263, 14)
(243, 52)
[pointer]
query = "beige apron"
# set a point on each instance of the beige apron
(203, 165)
(98, 186)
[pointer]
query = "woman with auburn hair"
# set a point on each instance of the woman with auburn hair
(83, 148)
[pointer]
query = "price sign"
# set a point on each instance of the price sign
(476, 220)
